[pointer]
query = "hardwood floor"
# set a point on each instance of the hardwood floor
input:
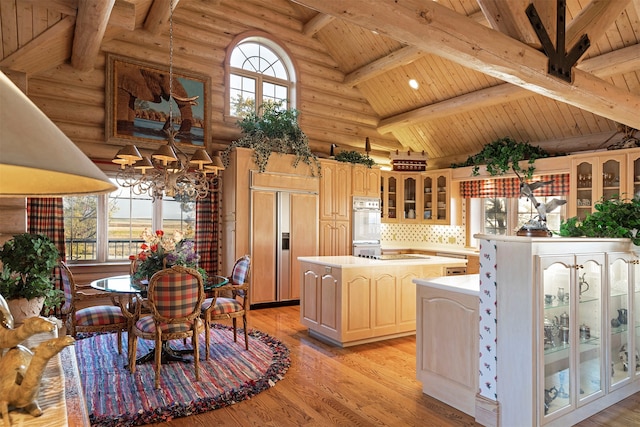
(365, 385)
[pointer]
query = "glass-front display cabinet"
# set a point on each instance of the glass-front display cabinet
(389, 197)
(570, 334)
(634, 166)
(410, 198)
(595, 178)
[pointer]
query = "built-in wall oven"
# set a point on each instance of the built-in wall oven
(366, 218)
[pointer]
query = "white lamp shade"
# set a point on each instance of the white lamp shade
(36, 158)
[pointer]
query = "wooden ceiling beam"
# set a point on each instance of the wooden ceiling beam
(50, 49)
(91, 24)
(65, 7)
(158, 16)
(616, 62)
(594, 20)
(402, 56)
(509, 18)
(443, 32)
(316, 23)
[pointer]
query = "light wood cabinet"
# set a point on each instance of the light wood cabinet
(335, 191)
(335, 208)
(365, 181)
(594, 178)
(348, 305)
(633, 168)
(413, 198)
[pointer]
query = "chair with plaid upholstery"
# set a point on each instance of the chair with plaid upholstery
(235, 305)
(95, 318)
(174, 297)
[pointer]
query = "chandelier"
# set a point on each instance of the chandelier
(169, 171)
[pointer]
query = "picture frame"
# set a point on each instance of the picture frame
(138, 107)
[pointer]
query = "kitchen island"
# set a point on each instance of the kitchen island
(346, 300)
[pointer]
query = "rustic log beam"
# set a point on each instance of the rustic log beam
(51, 48)
(509, 18)
(158, 16)
(123, 14)
(443, 32)
(594, 20)
(91, 23)
(400, 57)
(616, 62)
(316, 23)
(65, 7)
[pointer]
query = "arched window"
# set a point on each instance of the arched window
(260, 71)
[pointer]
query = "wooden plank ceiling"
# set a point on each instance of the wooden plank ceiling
(479, 65)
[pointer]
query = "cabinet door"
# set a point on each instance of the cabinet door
(582, 180)
(389, 197)
(442, 191)
(634, 174)
(594, 178)
(429, 198)
(555, 338)
(304, 237)
(410, 193)
(335, 188)
(365, 181)
(621, 342)
(263, 248)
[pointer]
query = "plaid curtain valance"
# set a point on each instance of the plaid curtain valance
(510, 187)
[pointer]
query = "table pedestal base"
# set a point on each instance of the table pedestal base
(167, 354)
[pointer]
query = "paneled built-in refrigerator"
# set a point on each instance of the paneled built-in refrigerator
(284, 227)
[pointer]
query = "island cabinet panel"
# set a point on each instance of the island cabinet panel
(350, 300)
(447, 345)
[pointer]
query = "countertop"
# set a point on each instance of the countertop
(353, 261)
(406, 247)
(466, 284)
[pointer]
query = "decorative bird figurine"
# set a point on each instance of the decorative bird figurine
(550, 206)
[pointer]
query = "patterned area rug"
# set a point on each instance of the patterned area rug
(115, 397)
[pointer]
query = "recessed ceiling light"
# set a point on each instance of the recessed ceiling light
(414, 84)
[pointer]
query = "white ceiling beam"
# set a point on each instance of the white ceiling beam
(443, 32)
(400, 57)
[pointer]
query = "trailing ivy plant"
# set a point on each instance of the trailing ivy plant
(355, 157)
(616, 218)
(503, 155)
(275, 130)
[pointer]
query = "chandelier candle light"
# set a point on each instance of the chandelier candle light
(170, 171)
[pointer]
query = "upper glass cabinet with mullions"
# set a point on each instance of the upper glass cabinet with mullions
(571, 333)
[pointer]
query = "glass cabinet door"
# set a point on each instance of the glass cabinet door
(621, 346)
(589, 278)
(392, 198)
(443, 199)
(409, 185)
(584, 189)
(556, 331)
(635, 175)
(428, 198)
(611, 179)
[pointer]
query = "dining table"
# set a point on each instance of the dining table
(130, 292)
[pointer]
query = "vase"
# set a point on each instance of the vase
(22, 308)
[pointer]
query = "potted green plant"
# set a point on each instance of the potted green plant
(28, 261)
(615, 218)
(275, 130)
(503, 155)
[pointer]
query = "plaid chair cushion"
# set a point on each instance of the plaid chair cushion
(147, 325)
(223, 305)
(99, 315)
(175, 295)
(239, 275)
(68, 292)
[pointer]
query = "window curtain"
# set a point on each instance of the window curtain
(208, 227)
(45, 215)
(510, 187)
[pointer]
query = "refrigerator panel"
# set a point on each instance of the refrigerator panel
(283, 276)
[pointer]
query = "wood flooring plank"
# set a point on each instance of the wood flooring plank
(366, 385)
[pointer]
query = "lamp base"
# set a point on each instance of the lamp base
(528, 232)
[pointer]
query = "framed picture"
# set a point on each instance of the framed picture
(139, 105)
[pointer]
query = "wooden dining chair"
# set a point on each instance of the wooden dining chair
(175, 297)
(233, 306)
(95, 318)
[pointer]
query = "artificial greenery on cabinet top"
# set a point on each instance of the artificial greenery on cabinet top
(355, 158)
(503, 155)
(275, 130)
(615, 218)
(28, 261)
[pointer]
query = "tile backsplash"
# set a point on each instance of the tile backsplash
(423, 233)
